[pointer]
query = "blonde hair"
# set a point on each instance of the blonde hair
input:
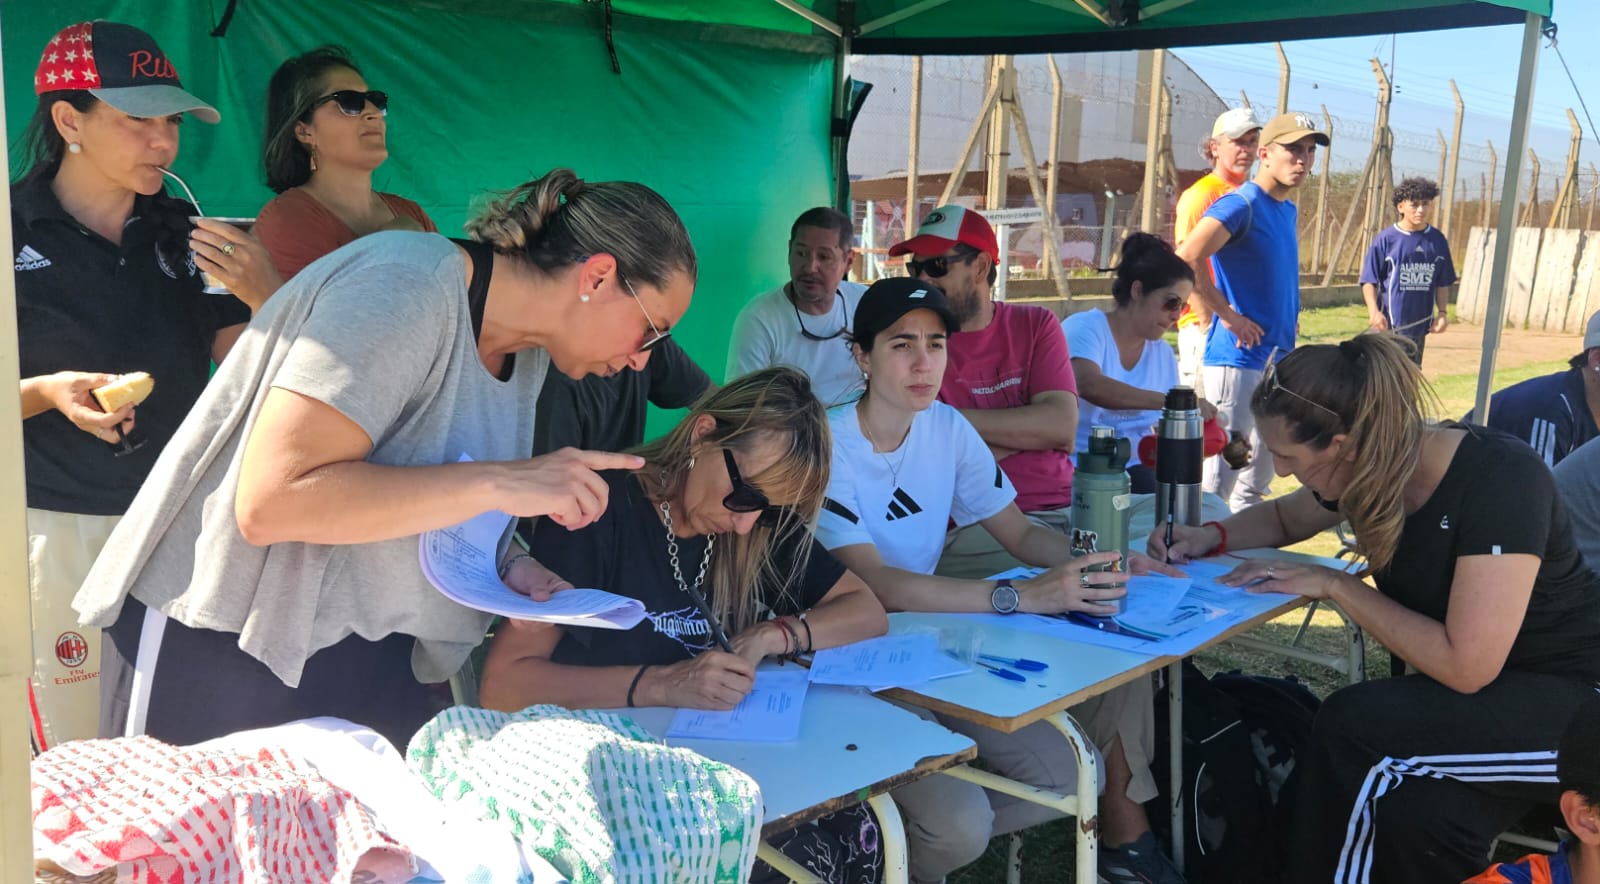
(773, 403)
(1378, 398)
(559, 218)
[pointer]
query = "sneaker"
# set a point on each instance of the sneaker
(1141, 862)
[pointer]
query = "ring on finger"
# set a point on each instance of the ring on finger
(227, 249)
(1271, 572)
(1083, 579)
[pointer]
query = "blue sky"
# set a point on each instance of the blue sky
(1483, 62)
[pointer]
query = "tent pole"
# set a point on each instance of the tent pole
(840, 121)
(16, 646)
(1494, 319)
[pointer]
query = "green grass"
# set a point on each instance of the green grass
(1048, 849)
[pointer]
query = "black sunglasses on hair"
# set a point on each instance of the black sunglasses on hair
(353, 103)
(1269, 380)
(746, 498)
(936, 268)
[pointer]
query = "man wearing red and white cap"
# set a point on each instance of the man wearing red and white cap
(1008, 373)
(1231, 150)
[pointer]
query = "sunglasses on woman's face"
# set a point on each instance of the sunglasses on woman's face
(746, 498)
(353, 102)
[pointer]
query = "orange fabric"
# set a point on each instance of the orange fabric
(1531, 869)
(296, 229)
(1192, 206)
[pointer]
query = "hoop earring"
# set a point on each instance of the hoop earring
(691, 461)
(74, 147)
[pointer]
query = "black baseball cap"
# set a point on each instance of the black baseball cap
(1578, 761)
(120, 65)
(885, 301)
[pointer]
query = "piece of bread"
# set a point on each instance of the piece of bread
(131, 388)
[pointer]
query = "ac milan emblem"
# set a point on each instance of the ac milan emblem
(71, 649)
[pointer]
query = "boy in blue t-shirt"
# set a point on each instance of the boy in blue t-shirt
(1407, 274)
(1246, 258)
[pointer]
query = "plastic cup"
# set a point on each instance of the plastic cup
(961, 642)
(214, 286)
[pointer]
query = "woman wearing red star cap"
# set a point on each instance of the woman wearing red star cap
(108, 283)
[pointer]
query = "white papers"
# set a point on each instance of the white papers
(890, 661)
(460, 562)
(1152, 604)
(770, 713)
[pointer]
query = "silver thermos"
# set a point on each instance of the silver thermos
(1180, 454)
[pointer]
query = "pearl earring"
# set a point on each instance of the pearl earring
(74, 147)
(584, 298)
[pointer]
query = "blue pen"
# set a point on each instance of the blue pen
(1006, 674)
(1021, 663)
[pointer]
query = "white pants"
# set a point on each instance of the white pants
(1191, 357)
(66, 657)
(1230, 390)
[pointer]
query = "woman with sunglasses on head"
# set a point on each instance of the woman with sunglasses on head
(718, 517)
(1123, 365)
(326, 133)
(904, 467)
(108, 282)
(1479, 588)
(268, 568)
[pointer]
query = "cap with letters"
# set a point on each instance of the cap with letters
(946, 226)
(885, 301)
(1289, 128)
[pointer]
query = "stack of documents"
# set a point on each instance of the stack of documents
(890, 661)
(770, 713)
(460, 562)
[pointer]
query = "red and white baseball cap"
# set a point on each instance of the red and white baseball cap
(946, 226)
(120, 65)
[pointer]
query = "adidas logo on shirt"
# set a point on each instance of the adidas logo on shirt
(901, 506)
(28, 259)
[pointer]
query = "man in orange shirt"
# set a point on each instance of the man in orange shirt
(1231, 150)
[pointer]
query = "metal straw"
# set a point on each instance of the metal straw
(192, 201)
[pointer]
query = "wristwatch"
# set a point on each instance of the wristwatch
(1004, 598)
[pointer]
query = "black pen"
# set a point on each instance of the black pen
(711, 620)
(1172, 498)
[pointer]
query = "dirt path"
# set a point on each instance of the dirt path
(1459, 350)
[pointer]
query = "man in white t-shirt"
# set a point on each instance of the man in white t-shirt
(805, 323)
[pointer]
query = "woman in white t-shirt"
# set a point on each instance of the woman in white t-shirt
(904, 466)
(1123, 365)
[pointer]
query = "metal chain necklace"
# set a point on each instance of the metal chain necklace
(894, 468)
(672, 553)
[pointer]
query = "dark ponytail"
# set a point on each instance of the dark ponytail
(1150, 261)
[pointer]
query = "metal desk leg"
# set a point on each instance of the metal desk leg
(784, 865)
(892, 838)
(1175, 756)
(1085, 805)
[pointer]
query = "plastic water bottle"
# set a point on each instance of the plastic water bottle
(1100, 498)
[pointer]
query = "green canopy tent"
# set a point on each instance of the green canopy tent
(735, 110)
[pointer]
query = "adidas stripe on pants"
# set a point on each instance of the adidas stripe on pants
(1408, 781)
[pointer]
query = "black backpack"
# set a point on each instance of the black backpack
(1242, 736)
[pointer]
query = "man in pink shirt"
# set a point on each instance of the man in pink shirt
(1008, 373)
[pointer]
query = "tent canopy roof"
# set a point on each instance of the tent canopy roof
(933, 27)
